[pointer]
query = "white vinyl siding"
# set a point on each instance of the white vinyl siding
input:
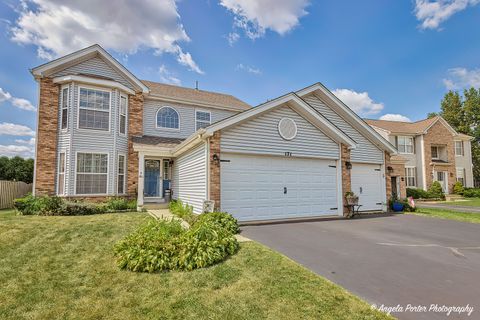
(190, 177)
(186, 117)
(260, 136)
(410, 177)
(365, 151)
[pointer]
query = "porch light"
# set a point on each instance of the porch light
(216, 158)
(348, 165)
(390, 169)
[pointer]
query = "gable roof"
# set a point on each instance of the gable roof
(83, 55)
(194, 96)
(297, 104)
(417, 127)
(358, 123)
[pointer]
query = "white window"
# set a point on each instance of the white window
(411, 176)
(435, 153)
(121, 174)
(92, 173)
(461, 175)
(64, 109)
(202, 119)
(123, 114)
(168, 118)
(166, 169)
(405, 144)
(94, 109)
(459, 148)
(61, 174)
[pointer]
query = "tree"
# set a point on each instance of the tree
(463, 114)
(432, 115)
(16, 169)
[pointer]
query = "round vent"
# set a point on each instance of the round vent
(287, 128)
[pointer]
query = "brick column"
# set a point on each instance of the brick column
(47, 135)
(214, 184)
(346, 175)
(135, 128)
(388, 180)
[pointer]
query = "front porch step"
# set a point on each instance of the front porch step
(155, 206)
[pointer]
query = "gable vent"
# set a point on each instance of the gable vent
(287, 128)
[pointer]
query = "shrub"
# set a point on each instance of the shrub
(223, 219)
(417, 193)
(27, 205)
(83, 209)
(471, 193)
(435, 190)
(44, 206)
(458, 188)
(183, 211)
(164, 245)
(117, 204)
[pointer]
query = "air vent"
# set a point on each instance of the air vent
(287, 128)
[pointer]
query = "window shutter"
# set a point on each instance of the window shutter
(413, 148)
(396, 142)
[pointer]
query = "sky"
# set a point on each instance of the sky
(385, 59)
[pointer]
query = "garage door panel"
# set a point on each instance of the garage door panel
(367, 183)
(252, 187)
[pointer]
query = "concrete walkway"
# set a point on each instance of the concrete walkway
(167, 215)
(448, 206)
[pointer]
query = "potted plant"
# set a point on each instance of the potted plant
(395, 204)
(351, 198)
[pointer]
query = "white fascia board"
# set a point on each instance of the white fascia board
(318, 87)
(93, 81)
(88, 52)
(190, 142)
(301, 106)
(191, 102)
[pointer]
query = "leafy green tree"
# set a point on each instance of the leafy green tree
(16, 169)
(432, 115)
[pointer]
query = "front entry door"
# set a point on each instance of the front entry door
(442, 177)
(152, 178)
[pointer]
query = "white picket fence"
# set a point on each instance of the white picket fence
(11, 190)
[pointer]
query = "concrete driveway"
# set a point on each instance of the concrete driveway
(393, 260)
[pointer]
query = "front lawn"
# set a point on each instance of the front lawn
(471, 202)
(63, 267)
(449, 214)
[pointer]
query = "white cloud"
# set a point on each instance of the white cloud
(433, 13)
(20, 103)
(14, 150)
(30, 142)
(12, 129)
(359, 102)
(59, 27)
(167, 76)
(461, 78)
(395, 117)
(232, 37)
(256, 16)
(249, 69)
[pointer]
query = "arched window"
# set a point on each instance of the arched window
(167, 117)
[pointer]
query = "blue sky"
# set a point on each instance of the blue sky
(383, 58)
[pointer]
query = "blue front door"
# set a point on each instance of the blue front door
(152, 178)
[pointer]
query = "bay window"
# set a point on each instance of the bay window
(61, 174)
(94, 109)
(64, 109)
(92, 173)
(405, 144)
(123, 115)
(121, 174)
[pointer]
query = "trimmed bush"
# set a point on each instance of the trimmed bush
(164, 245)
(435, 190)
(471, 193)
(82, 209)
(119, 204)
(225, 220)
(28, 205)
(458, 188)
(417, 193)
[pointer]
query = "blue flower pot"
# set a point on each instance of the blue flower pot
(397, 207)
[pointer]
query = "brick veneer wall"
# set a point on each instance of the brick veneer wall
(399, 172)
(214, 183)
(135, 128)
(46, 156)
(346, 175)
(438, 134)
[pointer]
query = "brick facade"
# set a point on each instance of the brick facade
(46, 155)
(439, 135)
(214, 183)
(135, 128)
(346, 175)
(398, 171)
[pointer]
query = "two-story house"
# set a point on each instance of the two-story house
(433, 149)
(103, 132)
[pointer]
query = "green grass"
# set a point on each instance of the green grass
(472, 202)
(63, 268)
(448, 214)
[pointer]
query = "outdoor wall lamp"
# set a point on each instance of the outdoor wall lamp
(348, 165)
(216, 158)
(390, 170)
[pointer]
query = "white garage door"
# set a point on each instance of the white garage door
(264, 187)
(367, 184)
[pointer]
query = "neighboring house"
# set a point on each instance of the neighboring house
(103, 132)
(433, 149)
